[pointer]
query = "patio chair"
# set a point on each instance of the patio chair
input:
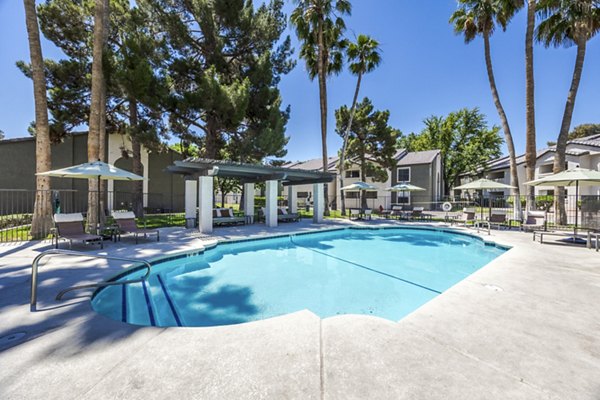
(467, 217)
(70, 227)
(534, 221)
(125, 223)
(354, 213)
(225, 216)
(396, 211)
(498, 218)
(368, 214)
(417, 213)
(284, 216)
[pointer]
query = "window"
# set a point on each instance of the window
(302, 195)
(352, 174)
(370, 195)
(351, 195)
(546, 169)
(404, 174)
(403, 198)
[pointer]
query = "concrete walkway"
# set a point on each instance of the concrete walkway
(526, 326)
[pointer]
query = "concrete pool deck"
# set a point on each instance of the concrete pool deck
(526, 326)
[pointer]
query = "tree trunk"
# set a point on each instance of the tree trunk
(514, 176)
(530, 146)
(95, 110)
(102, 125)
(210, 144)
(137, 166)
(321, 67)
(345, 139)
(42, 210)
(560, 158)
(363, 177)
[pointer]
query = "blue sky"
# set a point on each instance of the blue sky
(426, 70)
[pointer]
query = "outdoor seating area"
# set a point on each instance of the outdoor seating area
(125, 224)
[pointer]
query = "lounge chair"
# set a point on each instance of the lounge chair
(70, 227)
(284, 216)
(125, 223)
(498, 218)
(368, 213)
(417, 213)
(467, 217)
(534, 221)
(396, 212)
(225, 216)
(354, 213)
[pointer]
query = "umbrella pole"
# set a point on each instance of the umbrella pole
(576, 208)
(98, 208)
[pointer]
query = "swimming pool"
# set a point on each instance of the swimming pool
(381, 272)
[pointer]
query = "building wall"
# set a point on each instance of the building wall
(17, 164)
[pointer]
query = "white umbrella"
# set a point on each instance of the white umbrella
(484, 184)
(570, 177)
(93, 170)
(360, 186)
(405, 187)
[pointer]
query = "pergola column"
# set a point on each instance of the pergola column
(292, 199)
(191, 203)
(205, 195)
(271, 203)
(318, 202)
(249, 199)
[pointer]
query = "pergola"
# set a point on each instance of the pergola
(199, 173)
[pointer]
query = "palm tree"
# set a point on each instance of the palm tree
(319, 26)
(479, 18)
(364, 56)
(568, 23)
(42, 214)
(530, 142)
(94, 136)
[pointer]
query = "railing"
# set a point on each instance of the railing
(35, 267)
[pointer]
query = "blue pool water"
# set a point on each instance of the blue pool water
(384, 272)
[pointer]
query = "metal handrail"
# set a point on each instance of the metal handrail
(35, 266)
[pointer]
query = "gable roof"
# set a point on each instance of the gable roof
(418, 157)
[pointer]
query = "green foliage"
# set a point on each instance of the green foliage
(371, 141)
(1, 134)
(225, 62)
(261, 201)
(464, 139)
(480, 17)
(567, 23)
(309, 18)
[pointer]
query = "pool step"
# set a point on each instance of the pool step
(162, 304)
(139, 307)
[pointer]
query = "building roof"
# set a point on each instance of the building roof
(592, 140)
(248, 173)
(418, 157)
(315, 164)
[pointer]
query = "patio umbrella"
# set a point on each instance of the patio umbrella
(93, 170)
(405, 187)
(360, 186)
(484, 184)
(570, 177)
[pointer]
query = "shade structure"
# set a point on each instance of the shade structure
(359, 186)
(94, 170)
(570, 177)
(483, 184)
(405, 187)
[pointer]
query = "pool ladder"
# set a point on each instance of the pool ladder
(59, 296)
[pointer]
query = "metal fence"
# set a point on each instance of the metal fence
(16, 207)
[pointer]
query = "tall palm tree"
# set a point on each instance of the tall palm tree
(94, 136)
(42, 214)
(530, 139)
(319, 25)
(568, 23)
(364, 56)
(479, 18)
